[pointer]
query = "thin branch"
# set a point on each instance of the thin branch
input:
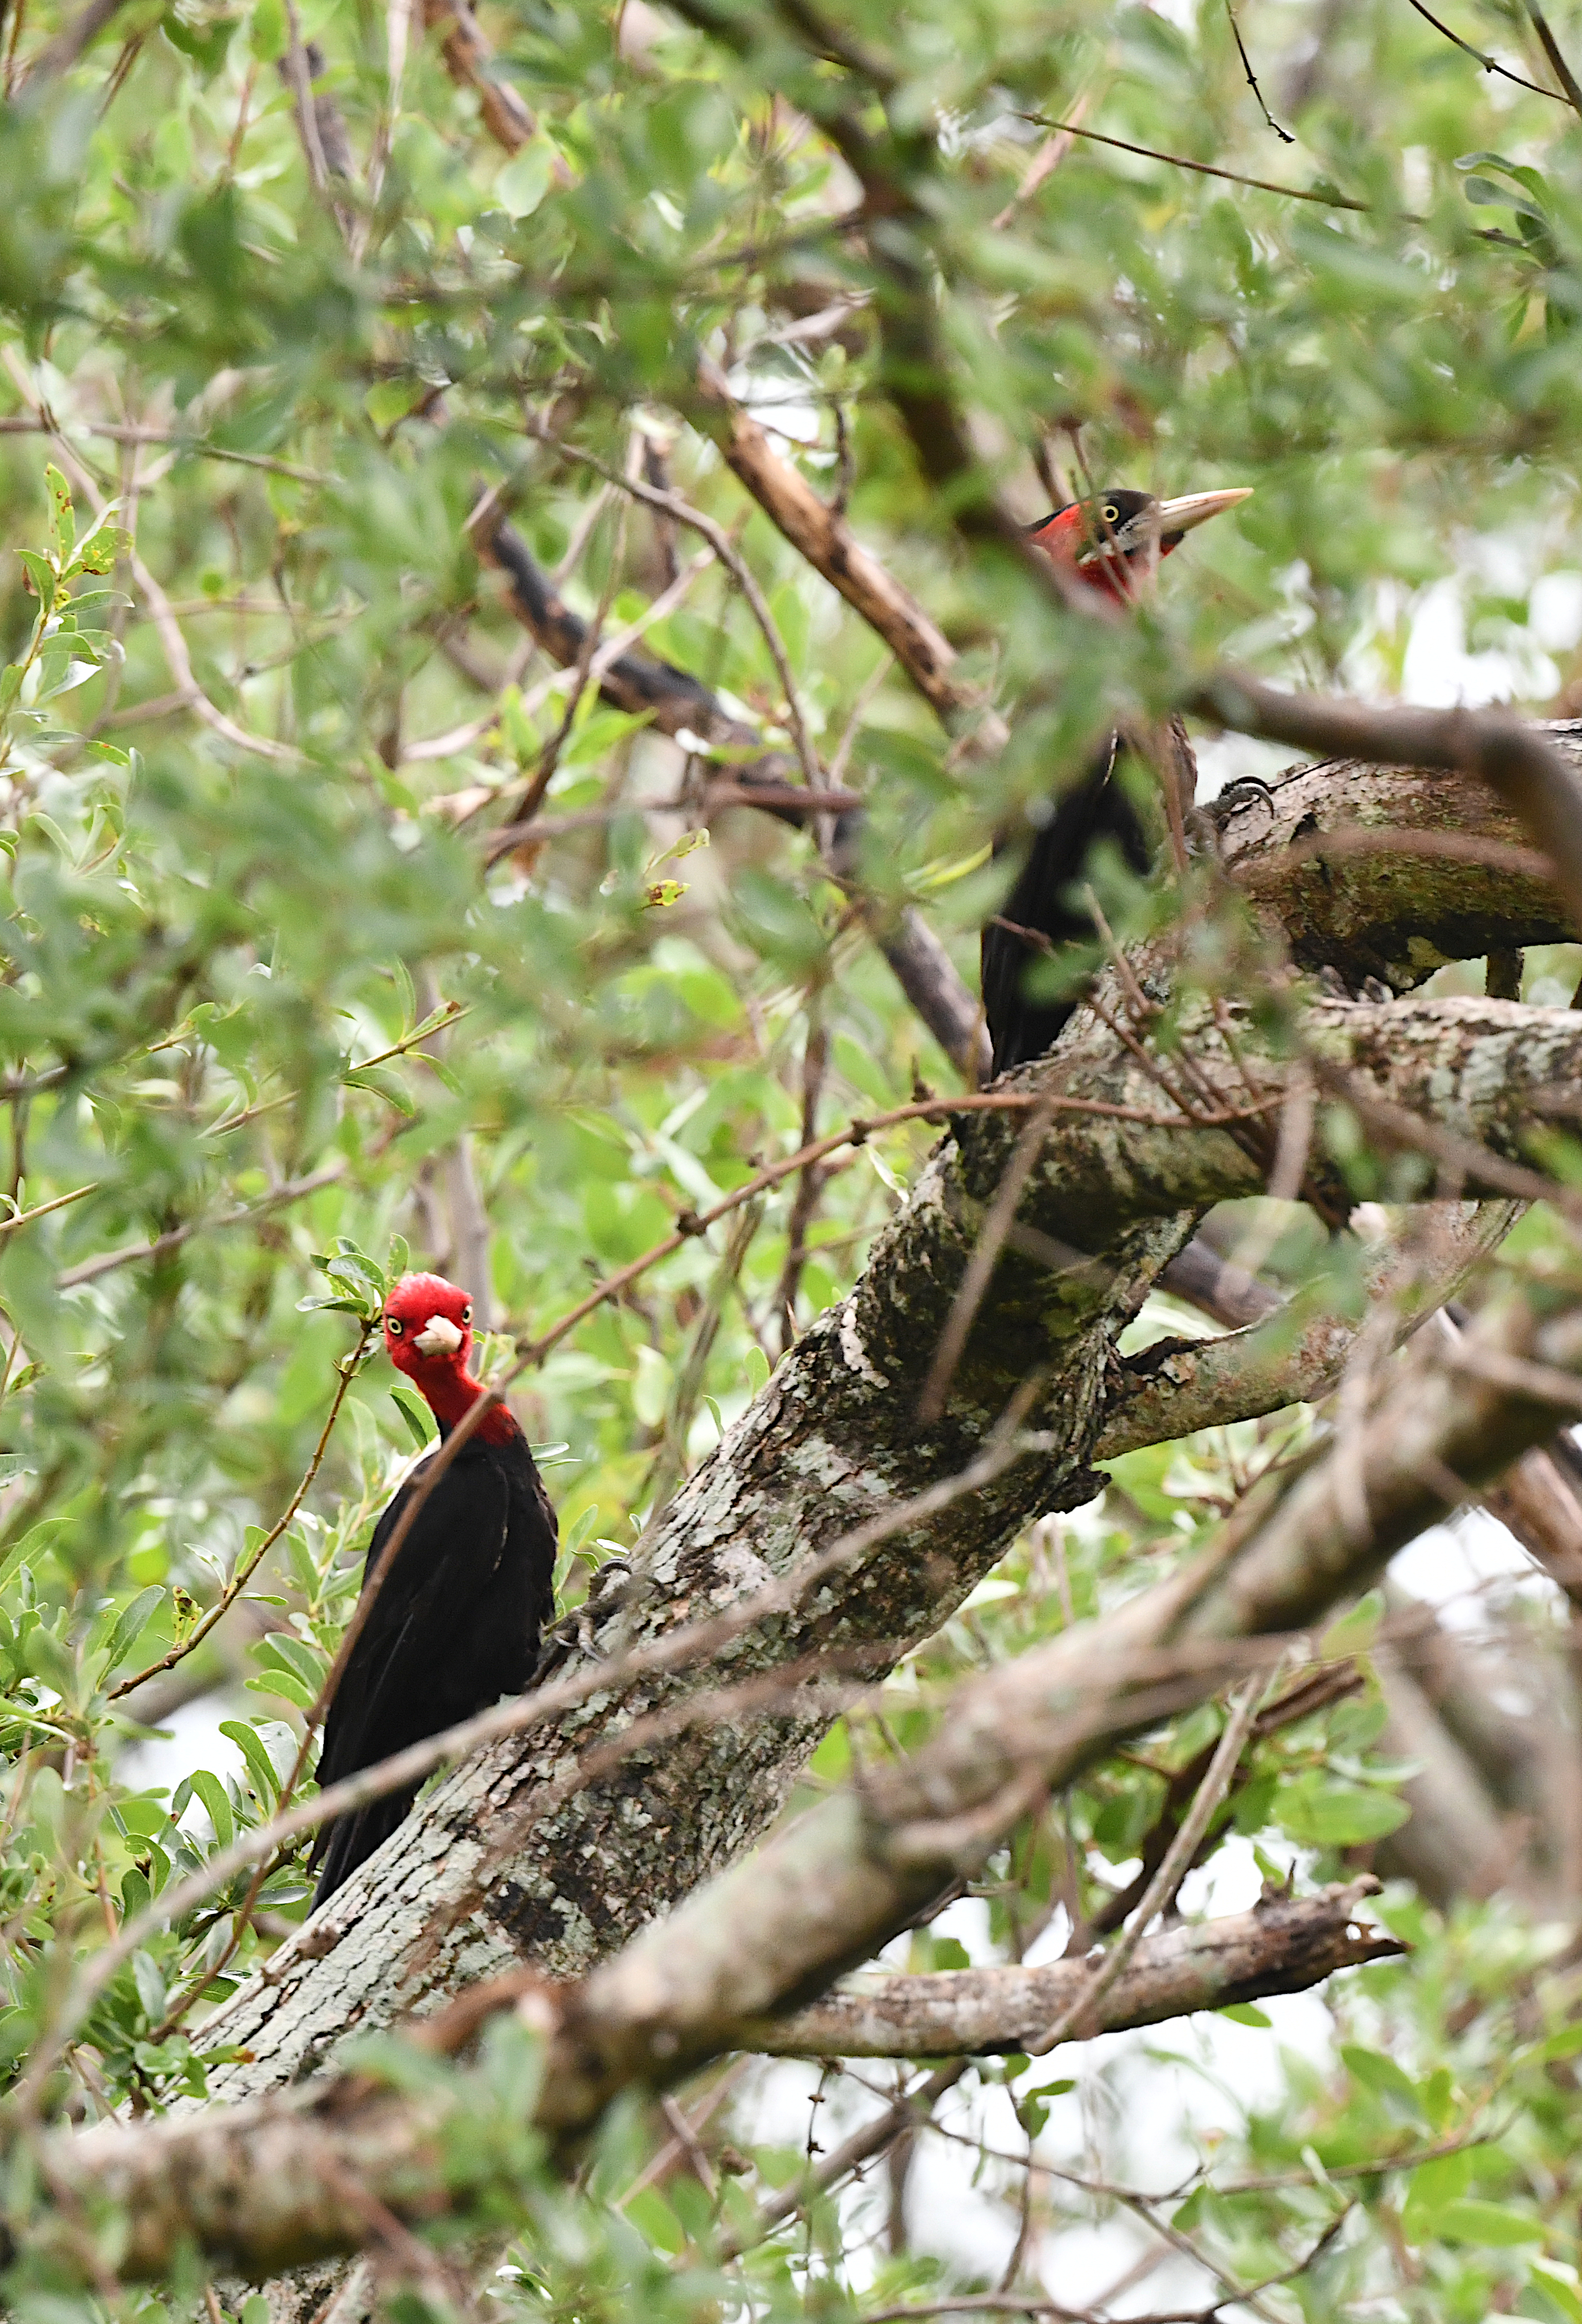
(88, 1270)
(470, 60)
(1161, 1890)
(59, 55)
(829, 545)
(1232, 177)
(42, 1210)
(347, 1367)
(1489, 64)
(186, 447)
(861, 2147)
(1556, 55)
(726, 550)
(1284, 135)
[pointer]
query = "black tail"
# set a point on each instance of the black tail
(351, 1840)
(1099, 809)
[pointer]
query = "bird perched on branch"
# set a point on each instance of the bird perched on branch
(1111, 544)
(453, 1623)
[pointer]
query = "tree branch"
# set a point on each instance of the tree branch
(1284, 1945)
(677, 705)
(464, 1890)
(1390, 871)
(1297, 1355)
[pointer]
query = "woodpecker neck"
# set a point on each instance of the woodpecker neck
(450, 1392)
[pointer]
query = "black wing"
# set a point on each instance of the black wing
(453, 1627)
(1097, 809)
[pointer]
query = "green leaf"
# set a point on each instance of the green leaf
(416, 1416)
(133, 1619)
(1245, 2013)
(521, 185)
(383, 1083)
(1381, 2074)
(269, 31)
(266, 1782)
(1323, 1813)
(1432, 2187)
(62, 525)
(652, 1386)
(1473, 2221)
(1554, 2288)
(216, 1800)
(151, 1985)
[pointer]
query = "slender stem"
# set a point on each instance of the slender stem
(348, 1367)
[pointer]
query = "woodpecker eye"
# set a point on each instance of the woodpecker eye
(394, 1326)
(467, 1312)
(1111, 514)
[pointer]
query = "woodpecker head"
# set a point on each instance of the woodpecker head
(428, 1327)
(1112, 541)
(428, 1335)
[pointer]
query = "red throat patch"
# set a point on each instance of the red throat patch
(429, 1336)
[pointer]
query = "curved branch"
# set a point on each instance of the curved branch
(1297, 1355)
(1327, 855)
(494, 1867)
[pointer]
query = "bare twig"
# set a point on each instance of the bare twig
(1489, 64)
(1284, 135)
(347, 1369)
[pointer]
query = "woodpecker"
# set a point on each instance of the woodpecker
(1111, 544)
(456, 1619)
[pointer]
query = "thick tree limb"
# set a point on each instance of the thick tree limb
(1327, 855)
(844, 1878)
(1518, 762)
(264, 2186)
(261, 2188)
(1283, 1946)
(467, 1887)
(1297, 1355)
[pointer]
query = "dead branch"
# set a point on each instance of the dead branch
(1284, 1945)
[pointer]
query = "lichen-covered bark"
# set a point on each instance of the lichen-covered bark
(1298, 1354)
(832, 1440)
(466, 1887)
(1284, 1945)
(1390, 914)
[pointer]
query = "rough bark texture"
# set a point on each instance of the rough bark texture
(286, 2181)
(465, 1887)
(1298, 1354)
(281, 2179)
(1282, 1946)
(1389, 912)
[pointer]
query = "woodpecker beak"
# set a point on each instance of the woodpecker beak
(439, 1337)
(1193, 509)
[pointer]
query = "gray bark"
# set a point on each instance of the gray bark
(286, 2180)
(471, 1883)
(1282, 1946)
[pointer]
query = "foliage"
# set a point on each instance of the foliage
(262, 1013)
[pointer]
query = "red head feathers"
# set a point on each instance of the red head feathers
(428, 1335)
(1112, 540)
